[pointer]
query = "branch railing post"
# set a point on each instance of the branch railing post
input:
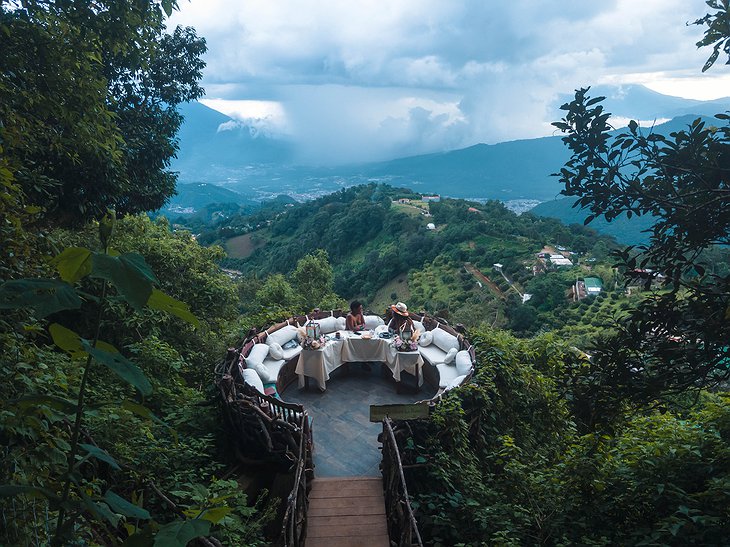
(402, 524)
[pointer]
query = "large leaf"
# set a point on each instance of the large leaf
(100, 454)
(216, 514)
(144, 412)
(122, 366)
(160, 301)
(73, 263)
(9, 490)
(124, 507)
(129, 273)
(99, 510)
(67, 340)
(45, 296)
(57, 403)
(142, 538)
(178, 533)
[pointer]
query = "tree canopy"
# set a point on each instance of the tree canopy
(88, 96)
(678, 339)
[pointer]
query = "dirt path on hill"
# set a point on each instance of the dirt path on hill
(469, 267)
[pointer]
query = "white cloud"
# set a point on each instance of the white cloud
(369, 79)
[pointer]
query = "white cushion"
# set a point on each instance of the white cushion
(417, 325)
(341, 323)
(291, 353)
(282, 336)
(463, 362)
(275, 351)
(373, 321)
(450, 355)
(260, 370)
(271, 370)
(256, 356)
(251, 377)
(456, 382)
(328, 324)
(446, 374)
(425, 339)
(433, 354)
(445, 340)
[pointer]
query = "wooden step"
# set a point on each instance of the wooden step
(347, 512)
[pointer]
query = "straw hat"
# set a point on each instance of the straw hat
(400, 308)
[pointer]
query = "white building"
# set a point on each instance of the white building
(560, 260)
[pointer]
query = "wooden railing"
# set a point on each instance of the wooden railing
(294, 526)
(264, 428)
(402, 525)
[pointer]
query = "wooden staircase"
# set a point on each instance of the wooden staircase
(347, 512)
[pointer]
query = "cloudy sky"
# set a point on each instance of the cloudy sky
(364, 80)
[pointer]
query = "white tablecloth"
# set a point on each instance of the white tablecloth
(319, 363)
(356, 349)
(351, 348)
(409, 361)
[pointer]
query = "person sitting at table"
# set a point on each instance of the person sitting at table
(355, 320)
(401, 320)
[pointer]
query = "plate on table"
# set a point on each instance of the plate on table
(367, 335)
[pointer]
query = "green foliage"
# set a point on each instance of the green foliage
(677, 339)
(167, 440)
(313, 281)
(88, 98)
(133, 279)
(501, 460)
(717, 33)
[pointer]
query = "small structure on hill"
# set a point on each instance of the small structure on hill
(430, 226)
(560, 260)
(593, 285)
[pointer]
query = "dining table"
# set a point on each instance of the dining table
(350, 347)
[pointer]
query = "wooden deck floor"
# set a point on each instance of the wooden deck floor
(347, 512)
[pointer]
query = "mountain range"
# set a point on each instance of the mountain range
(216, 150)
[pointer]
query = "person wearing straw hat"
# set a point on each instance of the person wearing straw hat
(401, 320)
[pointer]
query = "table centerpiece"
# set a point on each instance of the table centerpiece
(316, 343)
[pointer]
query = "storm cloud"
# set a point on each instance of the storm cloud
(359, 81)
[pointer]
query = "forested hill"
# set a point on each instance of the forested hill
(371, 237)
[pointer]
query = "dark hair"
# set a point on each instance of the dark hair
(354, 305)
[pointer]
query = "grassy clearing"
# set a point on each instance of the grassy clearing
(243, 246)
(410, 210)
(399, 286)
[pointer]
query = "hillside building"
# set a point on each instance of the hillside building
(593, 285)
(435, 197)
(560, 260)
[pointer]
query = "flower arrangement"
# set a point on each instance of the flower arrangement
(314, 343)
(409, 344)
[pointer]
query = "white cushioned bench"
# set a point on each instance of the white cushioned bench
(269, 357)
(441, 349)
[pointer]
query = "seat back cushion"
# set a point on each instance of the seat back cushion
(257, 355)
(450, 356)
(455, 382)
(251, 377)
(276, 351)
(417, 325)
(425, 339)
(283, 335)
(327, 324)
(373, 321)
(341, 323)
(444, 340)
(463, 362)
